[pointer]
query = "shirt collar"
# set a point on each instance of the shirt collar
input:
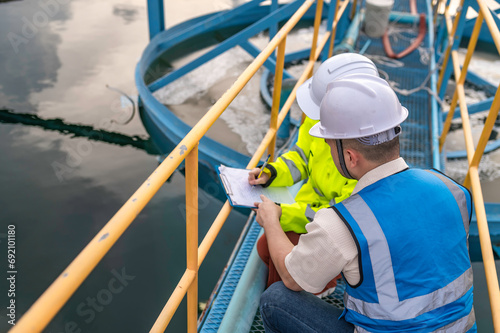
(382, 171)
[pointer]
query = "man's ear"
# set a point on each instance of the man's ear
(351, 157)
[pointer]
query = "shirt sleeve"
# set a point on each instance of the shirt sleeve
(320, 255)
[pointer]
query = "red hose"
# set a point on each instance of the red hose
(421, 34)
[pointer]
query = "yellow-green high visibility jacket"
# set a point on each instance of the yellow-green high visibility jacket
(309, 159)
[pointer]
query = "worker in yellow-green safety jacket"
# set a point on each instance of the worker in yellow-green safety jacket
(321, 190)
(310, 160)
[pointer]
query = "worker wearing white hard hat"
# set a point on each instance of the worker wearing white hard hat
(309, 160)
(310, 94)
(361, 107)
(400, 239)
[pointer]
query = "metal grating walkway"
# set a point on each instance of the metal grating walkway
(216, 313)
(406, 74)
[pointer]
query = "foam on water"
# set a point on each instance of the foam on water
(198, 81)
(246, 115)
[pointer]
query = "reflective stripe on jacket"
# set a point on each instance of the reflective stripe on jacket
(411, 230)
(309, 159)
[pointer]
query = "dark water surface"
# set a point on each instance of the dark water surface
(58, 190)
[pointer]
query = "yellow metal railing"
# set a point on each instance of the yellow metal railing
(52, 300)
(474, 155)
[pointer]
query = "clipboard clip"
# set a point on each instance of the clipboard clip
(226, 184)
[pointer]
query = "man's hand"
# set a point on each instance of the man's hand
(267, 211)
(254, 173)
(268, 216)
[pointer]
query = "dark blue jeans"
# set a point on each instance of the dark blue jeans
(284, 310)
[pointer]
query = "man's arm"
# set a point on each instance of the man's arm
(268, 214)
(327, 249)
(291, 167)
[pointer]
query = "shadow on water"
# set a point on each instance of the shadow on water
(76, 130)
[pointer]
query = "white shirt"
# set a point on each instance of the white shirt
(328, 247)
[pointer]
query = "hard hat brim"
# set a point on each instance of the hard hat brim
(305, 101)
(316, 131)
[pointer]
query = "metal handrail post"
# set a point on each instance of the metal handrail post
(192, 236)
(490, 22)
(489, 124)
(334, 28)
(314, 44)
(472, 179)
(436, 8)
(275, 108)
(317, 23)
(460, 93)
(353, 9)
(486, 248)
(451, 28)
(470, 51)
(465, 67)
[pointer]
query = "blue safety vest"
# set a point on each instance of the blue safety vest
(411, 230)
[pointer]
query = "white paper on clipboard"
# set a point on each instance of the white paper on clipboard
(242, 194)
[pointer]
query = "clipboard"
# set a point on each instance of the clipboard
(241, 194)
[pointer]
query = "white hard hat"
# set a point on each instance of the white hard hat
(360, 106)
(311, 92)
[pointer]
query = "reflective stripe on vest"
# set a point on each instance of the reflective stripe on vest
(459, 196)
(384, 275)
(462, 325)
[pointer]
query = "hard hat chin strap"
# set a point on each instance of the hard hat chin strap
(340, 152)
